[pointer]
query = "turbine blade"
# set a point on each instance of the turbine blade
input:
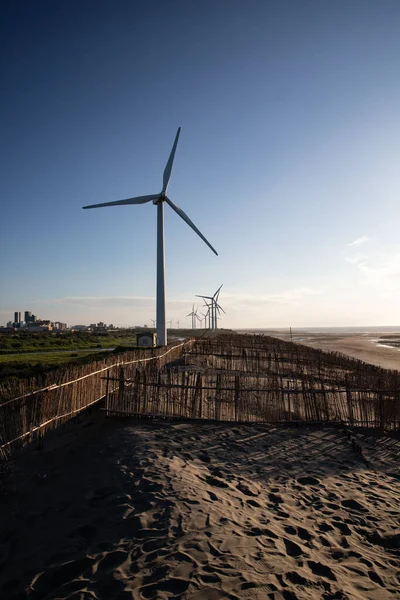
(168, 167)
(184, 216)
(217, 292)
(137, 200)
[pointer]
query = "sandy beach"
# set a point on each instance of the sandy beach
(157, 509)
(362, 346)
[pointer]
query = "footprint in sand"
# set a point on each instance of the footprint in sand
(215, 482)
(308, 481)
(275, 499)
(60, 575)
(213, 497)
(112, 560)
(292, 548)
(245, 489)
(297, 579)
(343, 528)
(321, 570)
(254, 503)
(324, 527)
(354, 506)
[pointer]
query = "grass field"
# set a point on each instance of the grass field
(49, 358)
(24, 355)
(45, 342)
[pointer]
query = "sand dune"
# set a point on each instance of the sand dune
(204, 510)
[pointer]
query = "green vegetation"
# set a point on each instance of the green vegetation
(36, 365)
(24, 355)
(16, 343)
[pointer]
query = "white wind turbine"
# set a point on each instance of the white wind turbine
(193, 315)
(159, 199)
(214, 306)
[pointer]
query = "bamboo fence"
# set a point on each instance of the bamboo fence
(249, 378)
(258, 378)
(27, 411)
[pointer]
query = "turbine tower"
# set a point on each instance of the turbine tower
(158, 200)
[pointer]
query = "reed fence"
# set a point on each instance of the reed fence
(248, 378)
(259, 378)
(28, 411)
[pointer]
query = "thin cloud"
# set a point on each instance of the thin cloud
(360, 240)
(109, 301)
(291, 296)
(380, 272)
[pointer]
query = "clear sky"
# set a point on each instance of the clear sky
(288, 160)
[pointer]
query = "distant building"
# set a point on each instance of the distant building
(39, 326)
(29, 317)
(60, 326)
(17, 317)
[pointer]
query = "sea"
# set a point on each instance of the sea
(378, 329)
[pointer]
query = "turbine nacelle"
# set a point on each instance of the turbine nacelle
(160, 198)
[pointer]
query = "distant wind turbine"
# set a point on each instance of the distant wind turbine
(193, 314)
(159, 200)
(214, 306)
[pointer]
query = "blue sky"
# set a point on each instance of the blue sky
(288, 160)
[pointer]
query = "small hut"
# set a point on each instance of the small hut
(146, 339)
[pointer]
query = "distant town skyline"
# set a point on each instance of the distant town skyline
(287, 161)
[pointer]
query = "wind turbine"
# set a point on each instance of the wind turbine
(193, 315)
(154, 322)
(170, 323)
(214, 306)
(217, 307)
(158, 200)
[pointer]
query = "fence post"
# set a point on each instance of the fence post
(289, 411)
(197, 396)
(349, 400)
(121, 387)
(200, 396)
(218, 398)
(237, 398)
(144, 391)
(107, 392)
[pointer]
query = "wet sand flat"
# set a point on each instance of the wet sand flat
(189, 510)
(360, 346)
(363, 347)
